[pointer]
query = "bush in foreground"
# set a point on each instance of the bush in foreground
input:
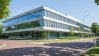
(92, 52)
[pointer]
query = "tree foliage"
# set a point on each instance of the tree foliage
(4, 8)
(97, 2)
(43, 34)
(0, 28)
(95, 28)
(71, 31)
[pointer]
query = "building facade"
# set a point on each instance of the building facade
(43, 21)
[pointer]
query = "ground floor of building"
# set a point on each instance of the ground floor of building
(40, 35)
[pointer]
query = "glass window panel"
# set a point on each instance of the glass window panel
(25, 17)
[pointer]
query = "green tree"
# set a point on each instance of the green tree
(79, 31)
(95, 28)
(71, 31)
(0, 28)
(98, 30)
(44, 34)
(9, 28)
(4, 8)
(97, 2)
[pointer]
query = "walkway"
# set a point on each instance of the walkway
(26, 48)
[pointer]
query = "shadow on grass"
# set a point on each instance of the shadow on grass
(48, 50)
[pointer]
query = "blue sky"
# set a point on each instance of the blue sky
(76, 8)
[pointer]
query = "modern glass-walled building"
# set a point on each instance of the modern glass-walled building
(43, 19)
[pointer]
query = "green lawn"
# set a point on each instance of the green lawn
(92, 52)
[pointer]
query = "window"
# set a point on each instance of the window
(25, 17)
(59, 17)
(25, 25)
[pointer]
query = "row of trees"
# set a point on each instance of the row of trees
(95, 28)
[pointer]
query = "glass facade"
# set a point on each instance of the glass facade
(59, 17)
(59, 25)
(64, 19)
(23, 18)
(31, 24)
(10, 24)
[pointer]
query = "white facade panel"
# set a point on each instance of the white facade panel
(55, 20)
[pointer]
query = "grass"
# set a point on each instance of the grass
(67, 39)
(92, 52)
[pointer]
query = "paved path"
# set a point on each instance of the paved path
(26, 48)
